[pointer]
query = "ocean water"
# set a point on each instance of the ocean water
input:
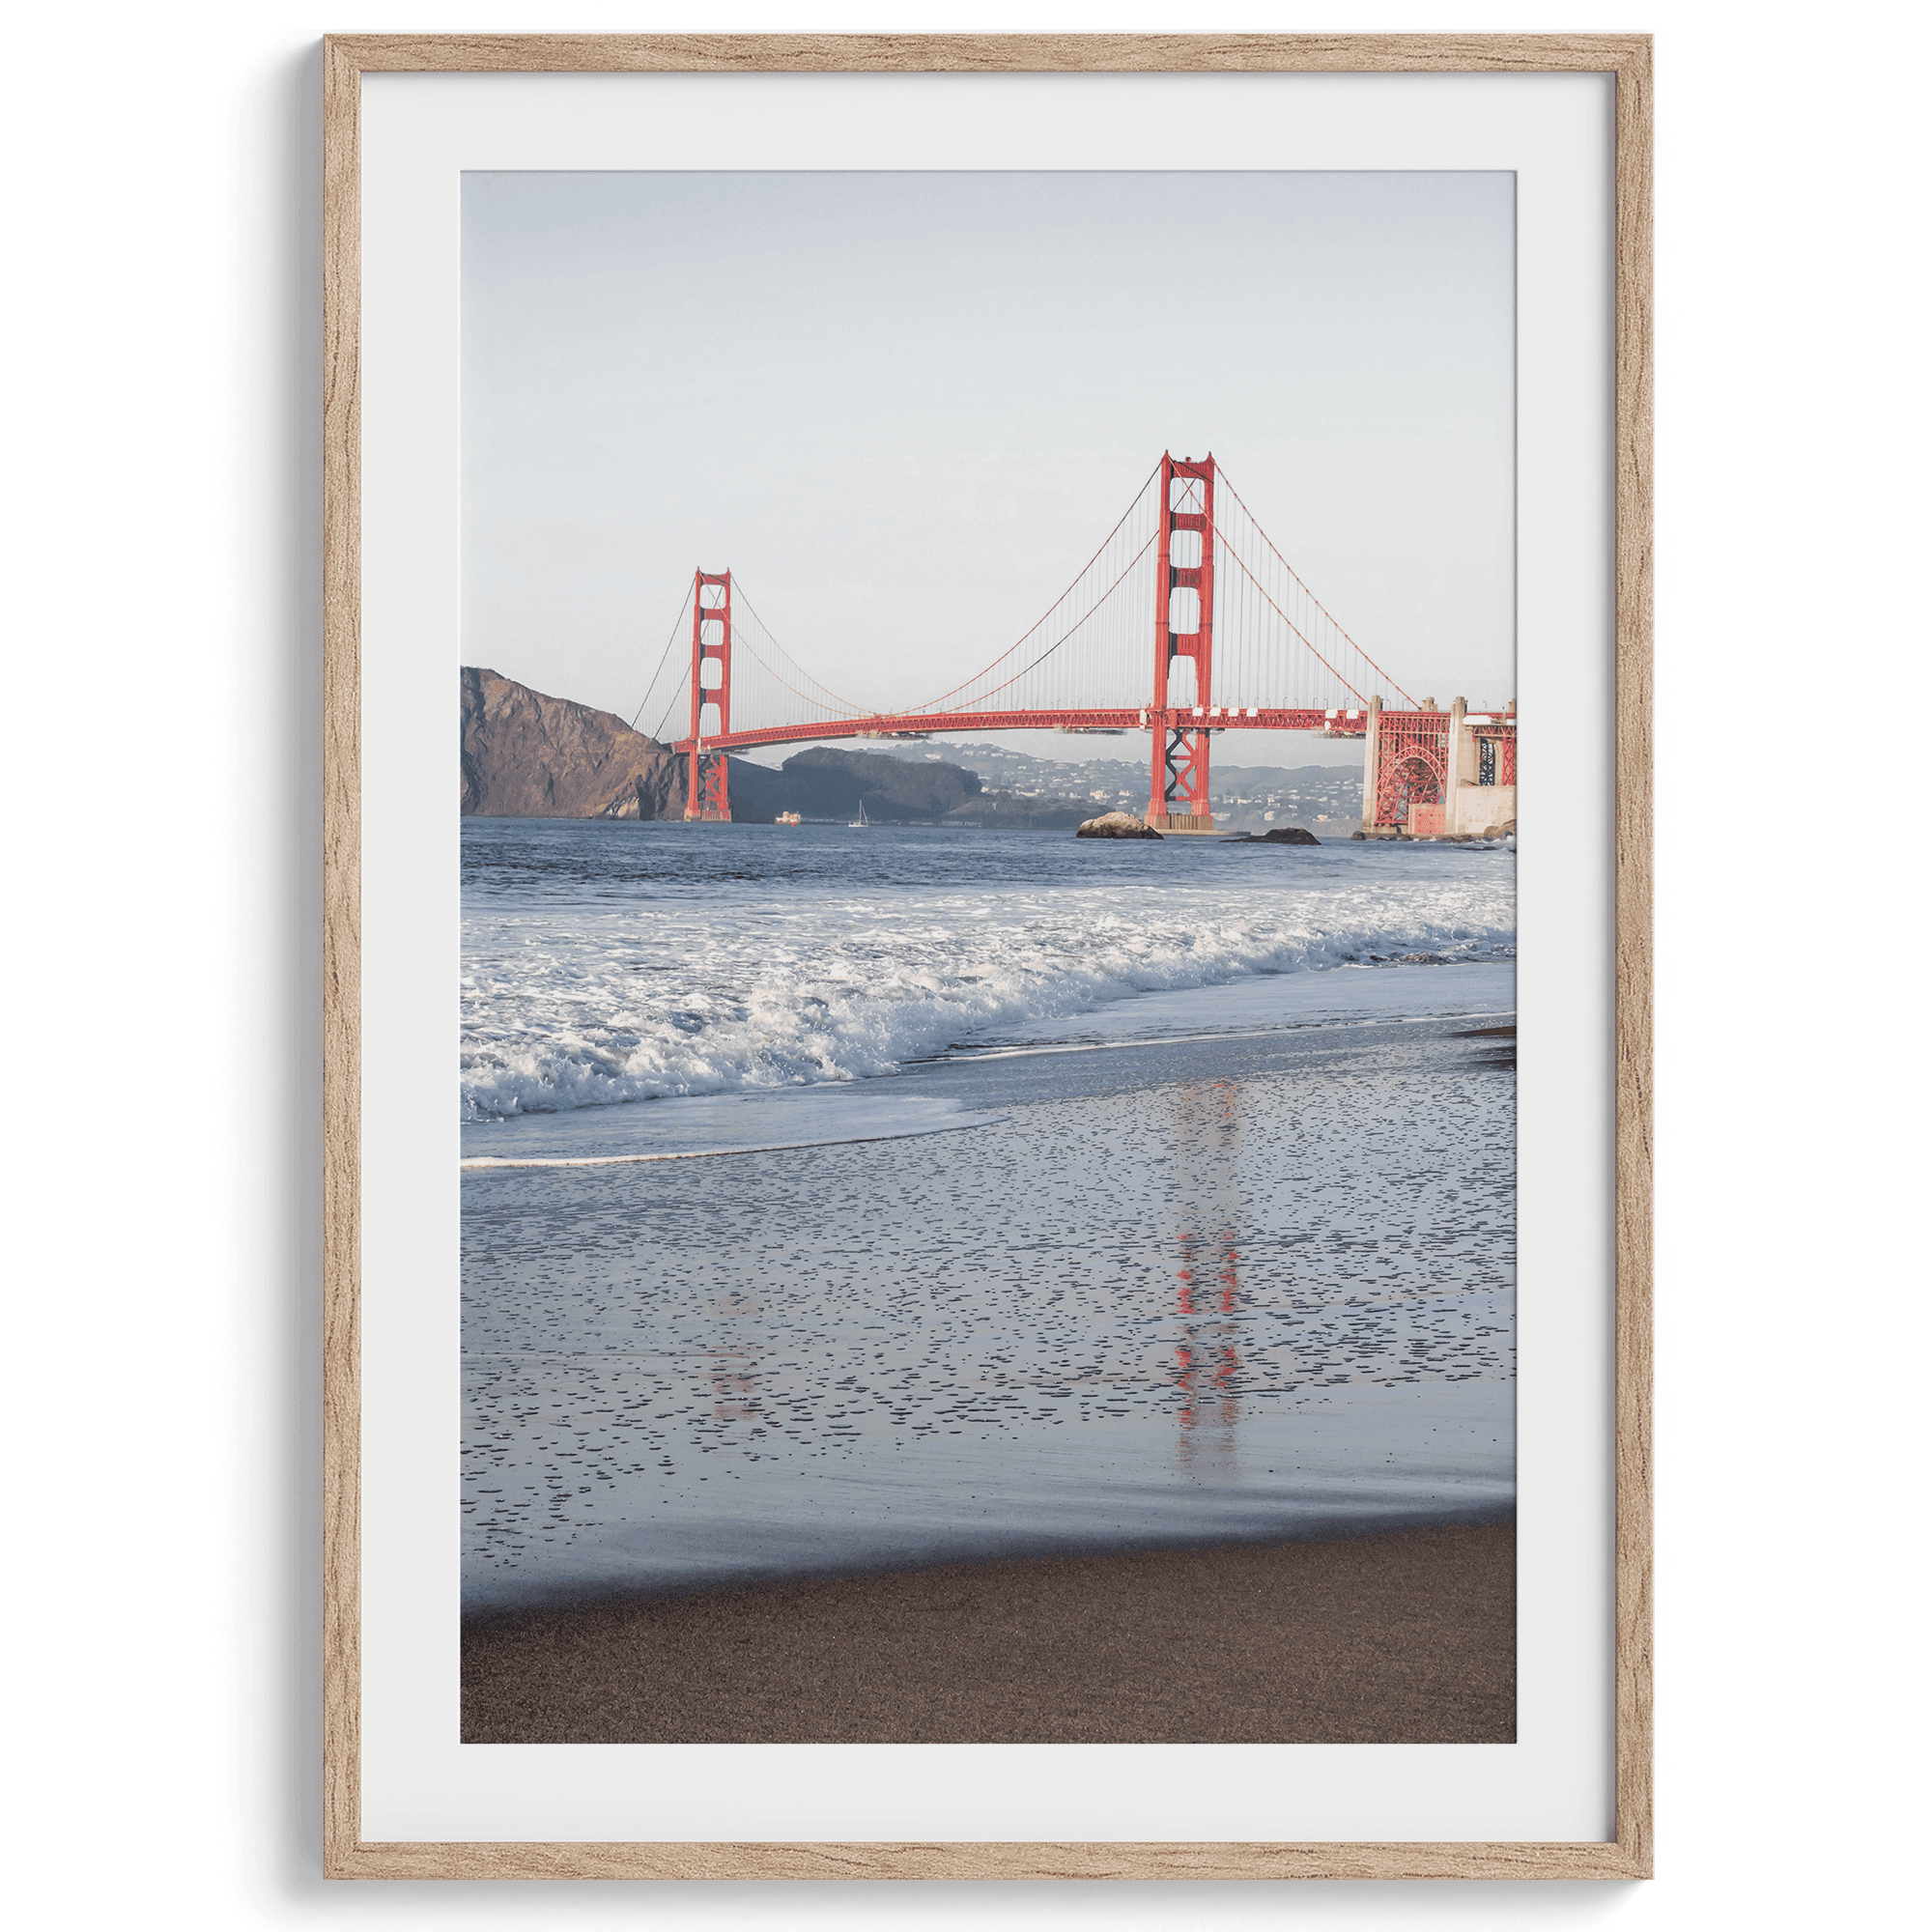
(837, 1199)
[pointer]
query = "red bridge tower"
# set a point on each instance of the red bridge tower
(710, 790)
(1184, 627)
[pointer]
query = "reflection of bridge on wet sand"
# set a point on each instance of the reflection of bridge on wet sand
(1209, 1210)
(1243, 1306)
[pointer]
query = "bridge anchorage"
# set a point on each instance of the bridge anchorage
(1247, 647)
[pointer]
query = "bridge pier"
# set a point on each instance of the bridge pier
(1180, 790)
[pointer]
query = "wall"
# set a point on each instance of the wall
(1478, 811)
(163, 985)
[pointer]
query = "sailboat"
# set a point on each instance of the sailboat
(861, 821)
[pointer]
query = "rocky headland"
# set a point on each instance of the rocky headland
(528, 756)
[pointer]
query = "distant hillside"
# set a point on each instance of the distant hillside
(1011, 812)
(824, 782)
(827, 783)
(528, 755)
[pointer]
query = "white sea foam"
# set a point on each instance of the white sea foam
(591, 1007)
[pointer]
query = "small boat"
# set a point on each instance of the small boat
(786, 818)
(862, 822)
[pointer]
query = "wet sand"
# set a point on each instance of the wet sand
(1217, 1290)
(1406, 1638)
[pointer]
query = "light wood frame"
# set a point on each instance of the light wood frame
(345, 59)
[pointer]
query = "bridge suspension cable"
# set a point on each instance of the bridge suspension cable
(1080, 594)
(828, 699)
(669, 647)
(1252, 523)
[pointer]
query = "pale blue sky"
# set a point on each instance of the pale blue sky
(883, 396)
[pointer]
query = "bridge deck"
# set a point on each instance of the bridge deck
(1135, 718)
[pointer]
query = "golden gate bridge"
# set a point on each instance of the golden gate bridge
(1239, 641)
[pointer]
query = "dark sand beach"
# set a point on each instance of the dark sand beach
(1394, 1638)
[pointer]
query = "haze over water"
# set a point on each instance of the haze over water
(1119, 1194)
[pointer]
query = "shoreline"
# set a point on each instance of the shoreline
(1294, 1007)
(1394, 1637)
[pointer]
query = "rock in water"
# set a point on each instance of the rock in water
(1116, 824)
(1287, 834)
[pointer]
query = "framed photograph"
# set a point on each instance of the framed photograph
(987, 1203)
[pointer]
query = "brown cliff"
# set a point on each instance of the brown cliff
(528, 755)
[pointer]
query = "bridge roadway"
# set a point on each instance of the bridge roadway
(1127, 717)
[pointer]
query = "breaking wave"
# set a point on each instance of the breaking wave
(574, 1008)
